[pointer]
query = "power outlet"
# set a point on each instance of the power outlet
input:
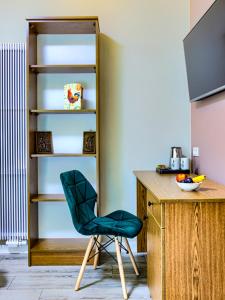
(195, 151)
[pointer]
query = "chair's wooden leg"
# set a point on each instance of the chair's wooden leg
(132, 257)
(96, 257)
(120, 265)
(84, 263)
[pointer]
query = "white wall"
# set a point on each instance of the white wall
(145, 108)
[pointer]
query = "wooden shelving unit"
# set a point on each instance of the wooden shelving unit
(52, 251)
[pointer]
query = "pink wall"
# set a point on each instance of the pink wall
(198, 8)
(208, 121)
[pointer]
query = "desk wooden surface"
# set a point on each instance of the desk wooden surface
(165, 189)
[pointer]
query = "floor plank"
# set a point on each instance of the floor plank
(20, 295)
(94, 293)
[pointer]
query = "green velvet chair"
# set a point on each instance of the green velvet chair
(118, 225)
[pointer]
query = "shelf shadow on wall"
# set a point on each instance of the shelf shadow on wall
(111, 129)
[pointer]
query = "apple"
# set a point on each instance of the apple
(181, 177)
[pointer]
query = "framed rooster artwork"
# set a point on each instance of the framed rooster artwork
(73, 93)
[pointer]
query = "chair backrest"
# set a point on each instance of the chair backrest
(80, 196)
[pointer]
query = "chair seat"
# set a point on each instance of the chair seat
(118, 223)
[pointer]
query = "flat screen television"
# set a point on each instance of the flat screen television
(204, 49)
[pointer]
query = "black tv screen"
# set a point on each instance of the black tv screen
(204, 49)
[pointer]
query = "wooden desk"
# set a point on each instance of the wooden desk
(184, 235)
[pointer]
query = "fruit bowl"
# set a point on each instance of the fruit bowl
(188, 187)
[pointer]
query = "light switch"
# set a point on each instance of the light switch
(195, 151)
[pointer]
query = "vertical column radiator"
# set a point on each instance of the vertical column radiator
(13, 204)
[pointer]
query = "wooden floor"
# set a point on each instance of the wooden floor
(19, 282)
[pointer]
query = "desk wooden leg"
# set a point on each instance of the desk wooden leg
(142, 214)
(132, 257)
(120, 265)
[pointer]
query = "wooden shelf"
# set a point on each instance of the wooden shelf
(48, 197)
(63, 68)
(64, 25)
(63, 111)
(58, 251)
(60, 245)
(64, 155)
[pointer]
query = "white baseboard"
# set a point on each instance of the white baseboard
(12, 249)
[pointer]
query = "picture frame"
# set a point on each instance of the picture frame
(43, 142)
(73, 96)
(89, 142)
